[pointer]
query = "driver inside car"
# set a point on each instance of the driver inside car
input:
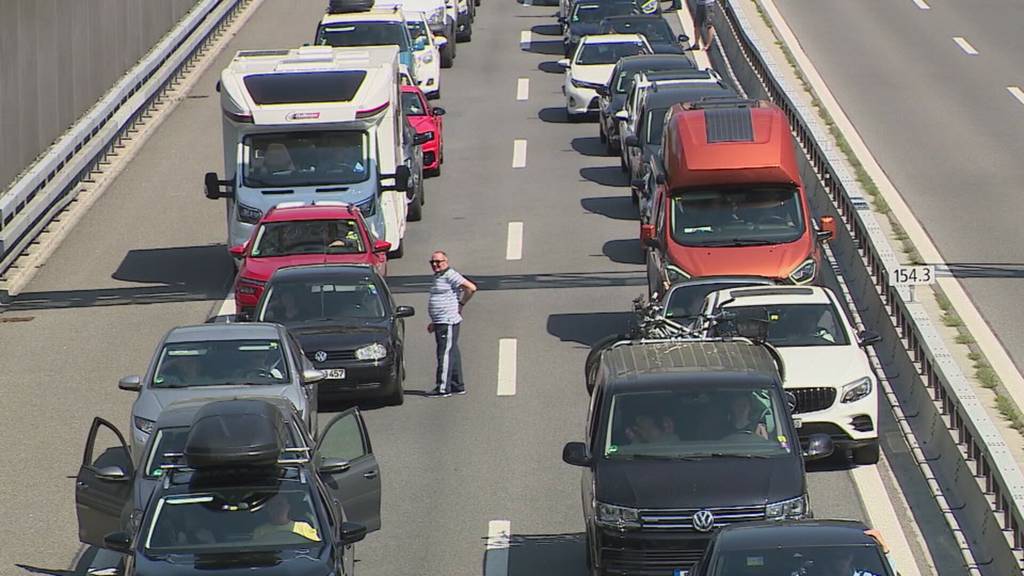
(746, 416)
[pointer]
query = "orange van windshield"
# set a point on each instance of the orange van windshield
(747, 216)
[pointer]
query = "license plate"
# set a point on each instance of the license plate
(798, 423)
(681, 572)
(334, 373)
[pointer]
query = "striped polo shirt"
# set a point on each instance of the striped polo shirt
(443, 305)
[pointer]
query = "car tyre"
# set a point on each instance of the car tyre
(467, 33)
(397, 395)
(415, 213)
(398, 252)
(448, 56)
(611, 146)
(866, 455)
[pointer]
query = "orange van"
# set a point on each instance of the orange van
(731, 201)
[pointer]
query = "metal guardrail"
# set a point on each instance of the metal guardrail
(981, 481)
(54, 180)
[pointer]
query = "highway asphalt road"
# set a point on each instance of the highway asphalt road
(941, 122)
(150, 255)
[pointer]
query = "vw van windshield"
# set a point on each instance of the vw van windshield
(696, 422)
(742, 216)
(380, 33)
(284, 159)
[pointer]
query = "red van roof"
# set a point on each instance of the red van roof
(723, 145)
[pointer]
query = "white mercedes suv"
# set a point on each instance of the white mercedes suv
(591, 66)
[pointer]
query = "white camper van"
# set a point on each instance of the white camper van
(311, 124)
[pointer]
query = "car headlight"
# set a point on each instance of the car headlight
(792, 509)
(857, 389)
(375, 351)
(620, 517)
(427, 58)
(675, 274)
(368, 207)
(248, 286)
(144, 426)
(583, 84)
(248, 214)
(804, 273)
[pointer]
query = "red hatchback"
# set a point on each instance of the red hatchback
(295, 235)
(425, 120)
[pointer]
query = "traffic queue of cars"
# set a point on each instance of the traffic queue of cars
(702, 417)
(226, 467)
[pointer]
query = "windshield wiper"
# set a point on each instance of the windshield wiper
(705, 455)
(740, 242)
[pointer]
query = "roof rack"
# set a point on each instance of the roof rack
(713, 102)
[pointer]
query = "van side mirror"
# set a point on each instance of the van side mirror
(118, 542)
(564, 63)
(130, 383)
(217, 86)
(215, 188)
(827, 230)
(402, 175)
(621, 116)
(818, 446)
(404, 311)
(868, 337)
(683, 38)
(575, 453)
(352, 532)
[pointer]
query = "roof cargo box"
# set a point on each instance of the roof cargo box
(235, 433)
(342, 6)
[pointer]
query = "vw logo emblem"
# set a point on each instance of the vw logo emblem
(703, 521)
(320, 356)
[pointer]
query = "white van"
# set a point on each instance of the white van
(312, 124)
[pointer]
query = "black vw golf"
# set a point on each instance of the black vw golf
(346, 323)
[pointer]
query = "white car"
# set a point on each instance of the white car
(826, 367)
(427, 52)
(591, 66)
(441, 16)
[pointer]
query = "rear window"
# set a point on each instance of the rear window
(365, 34)
(301, 88)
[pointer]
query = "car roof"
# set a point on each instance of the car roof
(655, 61)
(393, 14)
(776, 534)
(733, 356)
(311, 212)
(774, 295)
(640, 17)
(613, 39)
(668, 94)
(320, 271)
(703, 280)
(208, 332)
(182, 413)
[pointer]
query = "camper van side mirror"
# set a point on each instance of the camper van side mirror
(402, 176)
(215, 188)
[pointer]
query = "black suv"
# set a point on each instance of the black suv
(346, 323)
(684, 437)
(827, 547)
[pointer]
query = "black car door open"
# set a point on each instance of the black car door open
(103, 487)
(349, 469)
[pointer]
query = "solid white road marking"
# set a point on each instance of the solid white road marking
(507, 366)
(519, 154)
(1017, 93)
(499, 533)
(965, 45)
(514, 247)
(227, 306)
(525, 37)
(882, 516)
(922, 5)
(523, 89)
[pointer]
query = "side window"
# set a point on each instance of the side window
(300, 356)
(594, 414)
(344, 438)
(659, 223)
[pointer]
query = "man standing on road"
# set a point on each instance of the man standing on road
(702, 29)
(448, 294)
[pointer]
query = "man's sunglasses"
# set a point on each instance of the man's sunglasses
(436, 261)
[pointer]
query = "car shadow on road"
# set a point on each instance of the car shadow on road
(586, 328)
(541, 555)
(547, 47)
(589, 146)
(605, 176)
(553, 115)
(550, 67)
(614, 207)
(547, 30)
(626, 251)
(420, 283)
(179, 274)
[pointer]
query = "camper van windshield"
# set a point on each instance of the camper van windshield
(365, 34)
(747, 216)
(305, 159)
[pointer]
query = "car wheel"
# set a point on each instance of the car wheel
(433, 172)
(601, 134)
(467, 33)
(398, 252)
(396, 397)
(415, 213)
(866, 455)
(611, 146)
(448, 55)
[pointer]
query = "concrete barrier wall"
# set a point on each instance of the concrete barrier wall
(58, 57)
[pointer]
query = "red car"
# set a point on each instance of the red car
(294, 235)
(425, 119)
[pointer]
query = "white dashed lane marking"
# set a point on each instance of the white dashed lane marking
(1017, 93)
(965, 45)
(507, 366)
(514, 246)
(519, 154)
(499, 534)
(523, 89)
(525, 37)
(922, 5)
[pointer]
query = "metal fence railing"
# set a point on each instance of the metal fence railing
(53, 181)
(980, 478)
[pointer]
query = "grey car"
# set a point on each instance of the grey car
(217, 361)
